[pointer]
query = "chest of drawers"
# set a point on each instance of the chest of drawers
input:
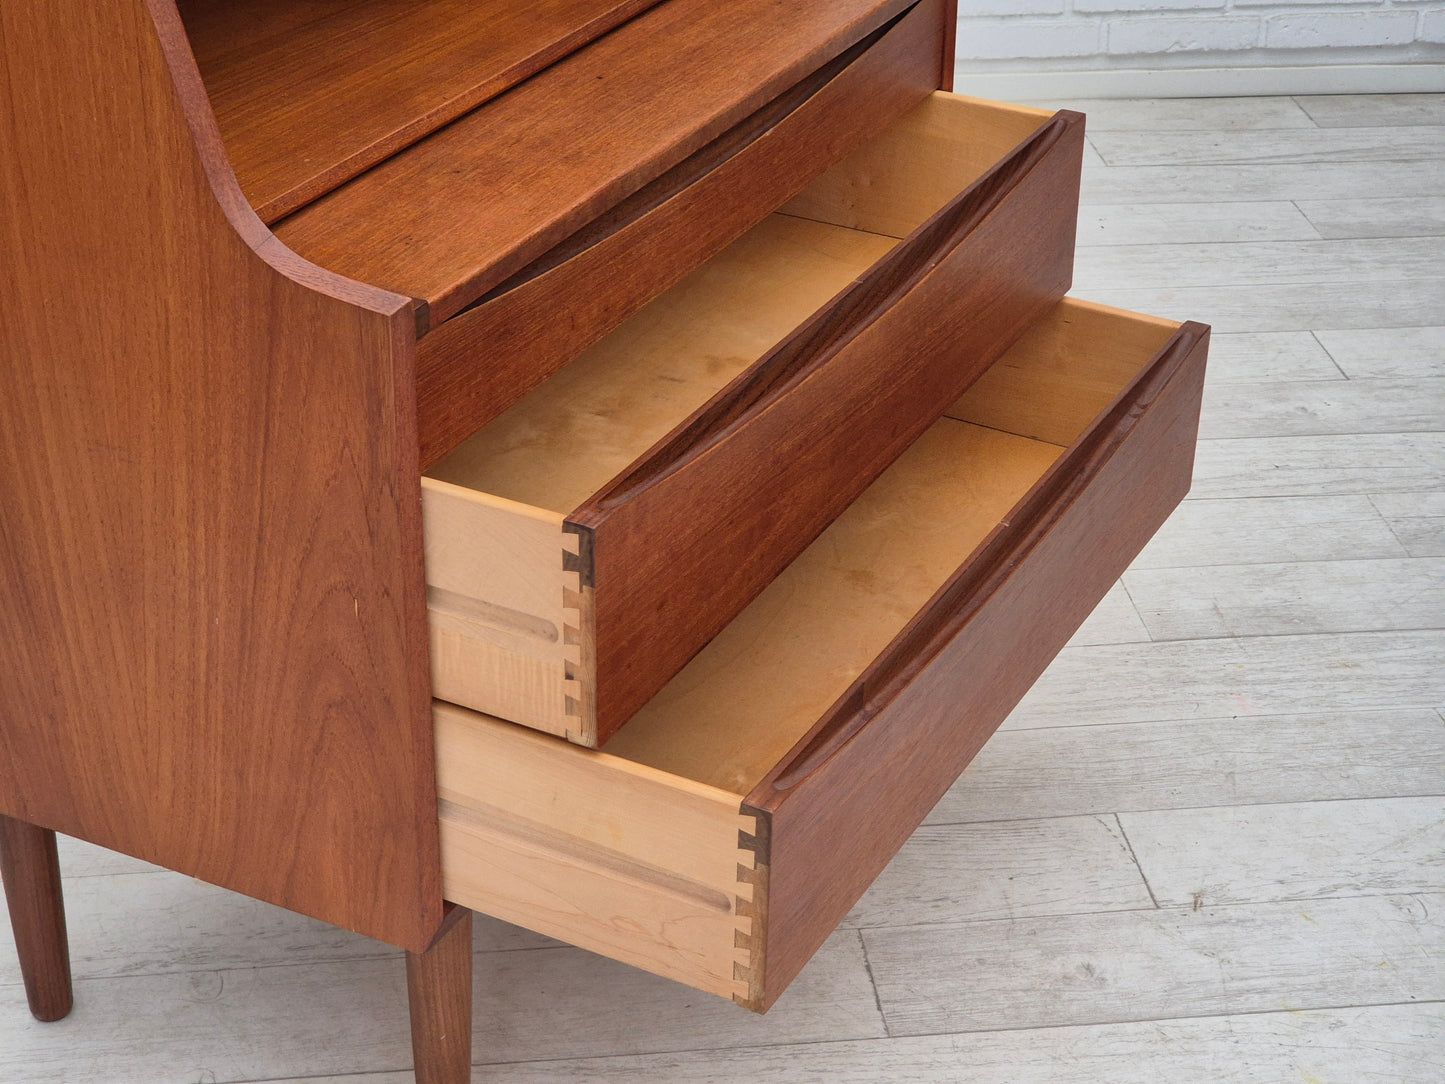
(607, 465)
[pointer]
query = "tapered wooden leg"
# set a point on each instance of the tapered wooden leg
(439, 983)
(30, 870)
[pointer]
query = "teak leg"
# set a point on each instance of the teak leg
(30, 870)
(439, 983)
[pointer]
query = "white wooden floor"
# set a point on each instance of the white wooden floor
(1210, 846)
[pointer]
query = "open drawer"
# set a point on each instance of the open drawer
(738, 817)
(589, 541)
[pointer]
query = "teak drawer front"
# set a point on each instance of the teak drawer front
(662, 480)
(732, 825)
(607, 271)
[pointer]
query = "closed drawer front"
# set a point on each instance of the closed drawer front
(742, 812)
(589, 541)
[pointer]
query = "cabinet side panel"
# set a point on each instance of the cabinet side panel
(212, 604)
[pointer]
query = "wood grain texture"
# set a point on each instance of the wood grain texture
(439, 991)
(30, 874)
(461, 212)
(212, 623)
(739, 489)
(894, 743)
(309, 95)
(607, 271)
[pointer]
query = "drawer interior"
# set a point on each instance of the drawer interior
(641, 852)
(568, 438)
(737, 709)
(498, 507)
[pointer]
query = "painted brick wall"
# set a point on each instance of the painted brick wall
(1093, 35)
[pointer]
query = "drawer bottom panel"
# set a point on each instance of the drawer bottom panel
(732, 824)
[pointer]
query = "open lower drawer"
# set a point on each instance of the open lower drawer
(585, 544)
(742, 812)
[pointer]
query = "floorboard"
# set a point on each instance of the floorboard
(1232, 182)
(1187, 114)
(1005, 869)
(1250, 676)
(1280, 146)
(1417, 520)
(1068, 771)
(1388, 353)
(1402, 217)
(1269, 357)
(1285, 599)
(1205, 532)
(1307, 850)
(1364, 304)
(1385, 1045)
(1310, 408)
(1320, 465)
(1174, 962)
(1191, 223)
(1373, 110)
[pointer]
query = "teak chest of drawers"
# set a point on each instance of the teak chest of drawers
(684, 395)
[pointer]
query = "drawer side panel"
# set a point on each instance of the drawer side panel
(611, 856)
(508, 612)
(855, 788)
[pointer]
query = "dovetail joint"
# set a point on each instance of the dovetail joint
(751, 910)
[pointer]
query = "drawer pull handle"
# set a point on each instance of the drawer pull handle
(689, 171)
(842, 320)
(1009, 544)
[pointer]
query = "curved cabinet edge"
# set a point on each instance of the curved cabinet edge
(212, 601)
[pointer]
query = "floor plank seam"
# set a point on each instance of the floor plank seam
(1277, 635)
(1292, 1011)
(1162, 910)
(1305, 215)
(1388, 521)
(1392, 708)
(1135, 859)
(1440, 793)
(873, 982)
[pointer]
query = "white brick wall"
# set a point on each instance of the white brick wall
(1095, 35)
